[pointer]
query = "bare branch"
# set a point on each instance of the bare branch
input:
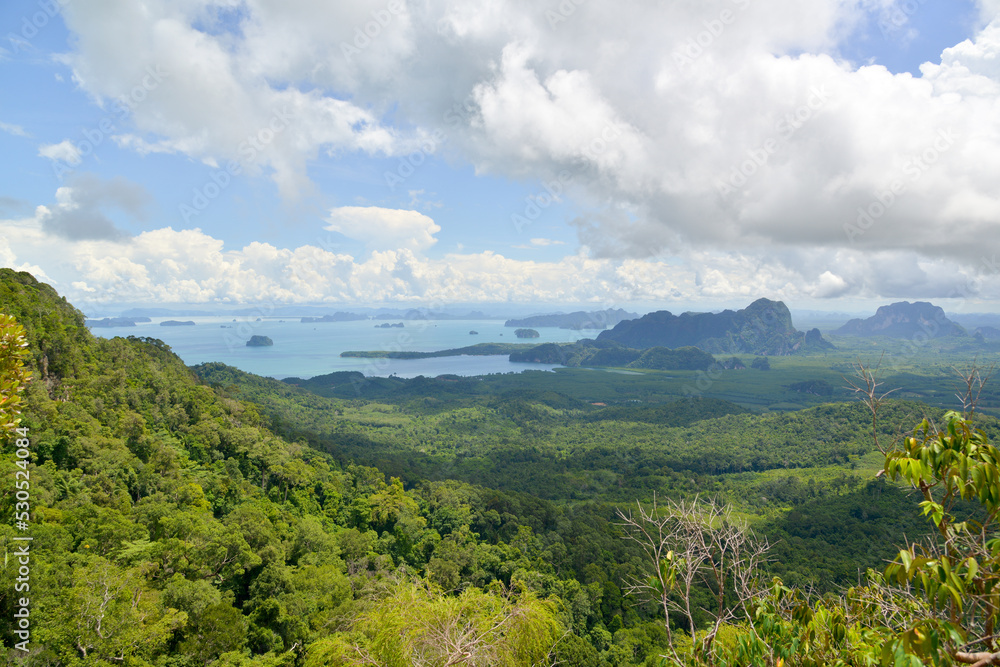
(978, 659)
(695, 545)
(973, 379)
(864, 382)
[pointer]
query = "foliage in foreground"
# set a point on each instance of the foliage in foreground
(419, 626)
(937, 603)
(174, 527)
(13, 376)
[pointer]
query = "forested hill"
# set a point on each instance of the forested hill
(225, 519)
(60, 344)
(521, 443)
(171, 527)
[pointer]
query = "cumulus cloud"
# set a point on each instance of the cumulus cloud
(384, 228)
(65, 151)
(988, 10)
(190, 266)
(830, 285)
(203, 93)
(10, 207)
(80, 209)
(674, 127)
(539, 93)
(9, 259)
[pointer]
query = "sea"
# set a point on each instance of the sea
(309, 349)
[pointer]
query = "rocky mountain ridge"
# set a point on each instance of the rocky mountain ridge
(762, 328)
(904, 320)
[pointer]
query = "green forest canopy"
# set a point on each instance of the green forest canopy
(222, 518)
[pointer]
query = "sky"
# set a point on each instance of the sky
(833, 154)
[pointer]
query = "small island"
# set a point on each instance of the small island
(259, 341)
(109, 322)
(386, 325)
(176, 323)
(336, 317)
(482, 349)
(526, 333)
(601, 319)
(473, 333)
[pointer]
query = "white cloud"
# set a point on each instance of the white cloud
(16, 130)
(384, 228)
(81, 207)
(7, 256)
(205, 96)
(65, 151)
(988, 10)
(677, 127)
(539, 243)
(546, 242)
(9, 260)
(830, 285)
(191, 266)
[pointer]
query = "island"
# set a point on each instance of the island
(386, 325)
(480, 350)
(336, 317)
(176, 323)
(586, 353)
(259, 341)
(526, 333)
(109, 322)
(601, 319)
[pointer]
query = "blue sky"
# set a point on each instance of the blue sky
(701, 155)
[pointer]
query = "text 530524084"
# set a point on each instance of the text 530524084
(22, 553)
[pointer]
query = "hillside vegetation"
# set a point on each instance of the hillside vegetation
(187, 516)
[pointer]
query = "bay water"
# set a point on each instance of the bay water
(309, 349)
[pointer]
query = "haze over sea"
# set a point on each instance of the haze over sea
(309, 349)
